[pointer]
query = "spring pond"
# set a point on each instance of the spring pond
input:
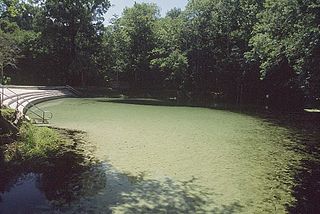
(168, 159)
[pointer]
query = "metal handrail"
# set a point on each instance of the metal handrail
(73, 90)
(3, 94)
(43, 116)
(28, 109)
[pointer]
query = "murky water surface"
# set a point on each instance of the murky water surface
(160, 159)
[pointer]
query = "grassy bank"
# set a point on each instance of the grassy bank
(34, 145)
(30, 142)
(55, 163)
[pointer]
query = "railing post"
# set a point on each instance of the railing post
(17, 102)
(43, 115)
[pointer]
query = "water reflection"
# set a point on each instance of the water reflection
(70, 183)
(50, 185)
(24, 196)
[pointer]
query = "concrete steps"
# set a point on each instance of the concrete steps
(23, 98)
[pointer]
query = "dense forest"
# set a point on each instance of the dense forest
(231, 51)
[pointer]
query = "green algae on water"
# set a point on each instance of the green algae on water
(238, 161)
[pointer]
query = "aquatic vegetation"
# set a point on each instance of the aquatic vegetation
(157, 159)
(252, 162)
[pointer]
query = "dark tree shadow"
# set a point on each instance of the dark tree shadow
(63, 178)
(304, 128)
(307, 191)
(74, 182)
(70, 177)
(307, 177)
(168, 196)
(305, 131)
(100, 188)
(140, 101)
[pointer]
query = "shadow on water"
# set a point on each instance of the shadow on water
(58, 181)
(72, 182)
(167, 196)
(305, 129)
(140, 101)
(307, 191)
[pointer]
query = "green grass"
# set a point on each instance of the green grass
(38, 142)
(33, 143)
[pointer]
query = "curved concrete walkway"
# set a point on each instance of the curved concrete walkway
(23, 97)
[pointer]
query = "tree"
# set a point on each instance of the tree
(286, 44)
(234, 51)
(135, 32)
(216, 38)
(168, 56)
(72, 31)
(8, 56)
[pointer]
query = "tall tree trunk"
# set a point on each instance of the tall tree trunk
(72, 54)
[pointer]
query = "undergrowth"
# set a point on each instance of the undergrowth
(7, 113)
(34, 144)
(38, 142)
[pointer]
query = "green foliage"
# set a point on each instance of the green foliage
(216, 35)
(288, 32)
(37, 142)
(168, 55)
(7, 113)
(62, 38)
(237, 50)
(286, 29)
(8, 50)
(71, 32)
(134, 41)
(9, 7)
